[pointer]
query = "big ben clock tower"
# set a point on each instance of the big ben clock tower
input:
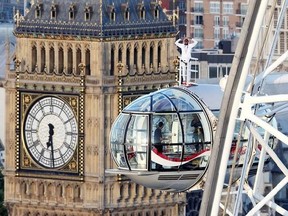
(76, 65)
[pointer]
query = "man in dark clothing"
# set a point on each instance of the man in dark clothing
(198, 132)
(158, 137)
(195, 121)
(157, 142)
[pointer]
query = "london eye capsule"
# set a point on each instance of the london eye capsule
(162, 140)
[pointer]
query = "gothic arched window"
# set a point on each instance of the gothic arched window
(87, 13)
(120, 54)
(38, 11)
(159, 55)
(87, 62)
(113, 15)
(43, 59)
(60, 60)
(34, 58)
(53, 11)
(142, 13)
(112, 60)
(143, 55)
(151, 55)
(70, 61)
(126, 14)
(78, 60)
(52, 59)
(72, 12)
(156, 12)
(135, 56)
(128, 57)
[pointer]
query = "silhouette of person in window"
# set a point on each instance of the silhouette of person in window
(198, 132)
(158, 138)
(195, 121)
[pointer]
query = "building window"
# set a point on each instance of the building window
(194, 71)
(34, 58)
(119, 55)
(225, 70)
(216, 20)
(126, 14)
(143, 55)
(38, 11)
(198, 7)
(71, 15)
(198, 33)
(142, 13)
(215, 7)
(70, 61)
(213, 73)
(156, 12)
(43, 59)
(159, 55)
(243, 9)
(227, 7)
(87, 13)
(199, 20)
(128, 57)
(216, 33)
(219, 70)
(182, 20)
(112, 61)
(71, 12)
(151, 55)
(60, 60)
(112, 15)
(226, 33)
(225, 20)
(87, 62)
(53, 12)
(78, 60)
(182, 5)
(135, 56)
(51, 59)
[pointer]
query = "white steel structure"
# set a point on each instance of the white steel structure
(246, 107)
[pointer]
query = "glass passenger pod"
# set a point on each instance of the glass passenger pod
(168, 130)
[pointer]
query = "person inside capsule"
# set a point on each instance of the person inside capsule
(158, 138)
(198, 136)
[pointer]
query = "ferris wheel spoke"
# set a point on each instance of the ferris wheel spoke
(268, 197)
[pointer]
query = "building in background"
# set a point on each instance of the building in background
(209, 21)
(216, 25)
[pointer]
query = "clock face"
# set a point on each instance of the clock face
(51, 132)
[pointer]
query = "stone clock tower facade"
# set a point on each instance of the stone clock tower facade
(76, 65)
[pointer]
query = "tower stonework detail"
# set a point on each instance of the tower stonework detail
(86, 60)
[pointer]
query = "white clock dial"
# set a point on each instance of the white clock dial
(51, 132)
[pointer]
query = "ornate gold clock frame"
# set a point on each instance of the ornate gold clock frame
(57, 100)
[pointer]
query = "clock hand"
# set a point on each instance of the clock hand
(50, 141)
(51, 133)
